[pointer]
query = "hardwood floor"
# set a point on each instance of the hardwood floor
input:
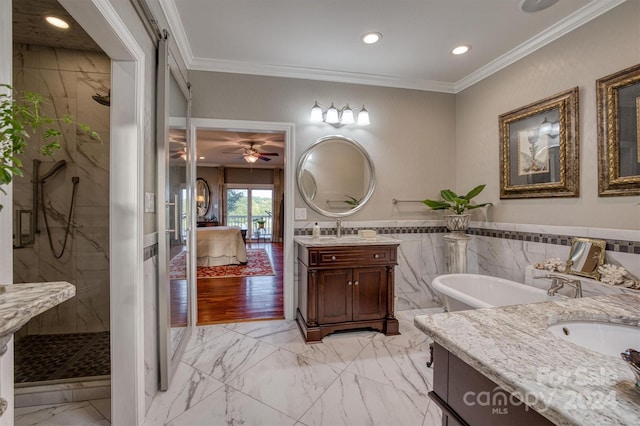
(223, 300)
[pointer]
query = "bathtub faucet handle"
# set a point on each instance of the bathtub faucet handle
(558, 281)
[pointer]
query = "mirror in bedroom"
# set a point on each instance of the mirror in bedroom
(335, 176)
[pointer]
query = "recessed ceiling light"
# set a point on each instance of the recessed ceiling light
(536, 5)
(201, 157)
(371, 38)
(461, 49)
(57, 22)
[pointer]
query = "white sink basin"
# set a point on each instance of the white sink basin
(603, 337)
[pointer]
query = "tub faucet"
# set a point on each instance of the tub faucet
(338, 228)
(557, 282)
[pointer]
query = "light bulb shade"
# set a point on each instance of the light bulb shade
(347, 116)
(332, 115)
(251, 158)
(316, 113)
(200, 198)
(363, 117)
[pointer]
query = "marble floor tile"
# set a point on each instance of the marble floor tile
(277, 332)
(337, 350)
(227, 355)
(394, 365)
(103, 406)
(410, 337)
(356, 400)
(188, 387)
(286, 381)
(203, 334)
(228, 406)
(72, 413)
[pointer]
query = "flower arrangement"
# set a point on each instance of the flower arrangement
(618, 276)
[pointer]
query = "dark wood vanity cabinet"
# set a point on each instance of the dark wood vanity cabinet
(467, 397)
(343, 288)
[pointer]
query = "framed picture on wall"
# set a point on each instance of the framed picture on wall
(618, 98)
(539, 148)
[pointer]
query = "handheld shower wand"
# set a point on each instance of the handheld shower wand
(56, 167)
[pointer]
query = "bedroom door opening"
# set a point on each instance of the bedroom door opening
(250, 208)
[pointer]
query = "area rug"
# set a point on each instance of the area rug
(258, 263)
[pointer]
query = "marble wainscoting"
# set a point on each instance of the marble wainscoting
(502, 250)
(68, 79)
(151, 368)
(505, 250)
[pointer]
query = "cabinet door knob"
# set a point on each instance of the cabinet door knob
(333, 258)
(348, 282)
(356, 283)
(376, 256)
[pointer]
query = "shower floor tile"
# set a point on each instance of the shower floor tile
(62, 356)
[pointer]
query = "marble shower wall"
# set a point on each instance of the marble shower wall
(68, 79)
(498, 249)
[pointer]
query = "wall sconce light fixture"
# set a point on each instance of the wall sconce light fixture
(338, 117)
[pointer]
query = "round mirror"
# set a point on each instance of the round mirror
(336, 176)
(202, 197)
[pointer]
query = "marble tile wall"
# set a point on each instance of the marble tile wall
(68, 79)
(151, 367)
(498, 249)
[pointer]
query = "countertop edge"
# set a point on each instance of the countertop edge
(495, 366)
(21, 302)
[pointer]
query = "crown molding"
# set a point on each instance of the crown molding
(554, 32)
(238, 67)
(566, 25)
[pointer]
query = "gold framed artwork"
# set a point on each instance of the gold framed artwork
(539, 148)
(618, 98)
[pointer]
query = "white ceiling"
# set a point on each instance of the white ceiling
(320, 39)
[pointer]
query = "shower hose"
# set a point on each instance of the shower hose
(75, 180)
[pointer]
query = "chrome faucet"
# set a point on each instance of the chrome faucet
(338, 229)
(557, 282)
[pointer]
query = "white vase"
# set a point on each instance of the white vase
(457, 222)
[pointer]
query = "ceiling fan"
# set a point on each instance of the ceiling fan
(251, 154)
(177, 149)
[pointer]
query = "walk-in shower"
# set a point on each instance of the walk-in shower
(62, 214)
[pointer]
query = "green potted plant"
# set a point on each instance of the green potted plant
(458, 204)
(19, 114)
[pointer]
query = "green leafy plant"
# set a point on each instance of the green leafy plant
(20, 114)
(352, 201)
(456, 203)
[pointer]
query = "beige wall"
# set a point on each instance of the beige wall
(411, 139)
(601, 47)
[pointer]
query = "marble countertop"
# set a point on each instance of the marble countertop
(347, 240)
(562, 381)
(21, 302)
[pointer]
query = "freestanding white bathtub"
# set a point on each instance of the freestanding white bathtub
(471, 291)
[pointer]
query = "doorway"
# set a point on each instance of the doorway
(242, 198)
(250, 208)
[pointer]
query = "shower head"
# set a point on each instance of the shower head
(56, 167)
(103, 99)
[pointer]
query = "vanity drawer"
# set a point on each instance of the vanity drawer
(352, 256)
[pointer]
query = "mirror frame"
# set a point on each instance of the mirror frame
(602, 244)
(300, 171)
(206, 191)
(610, 183)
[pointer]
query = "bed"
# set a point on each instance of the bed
(220, 245)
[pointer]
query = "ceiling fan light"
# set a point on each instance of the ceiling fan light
(332, 115)
(347, 116)
(251, 158)
(363, 117)
(316, 113)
